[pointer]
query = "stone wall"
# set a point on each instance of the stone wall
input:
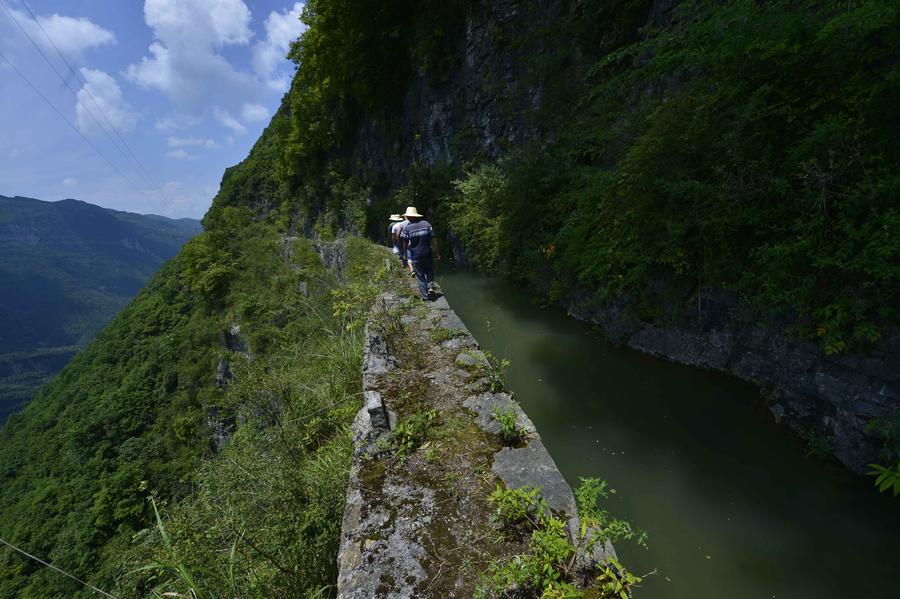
(417, 524)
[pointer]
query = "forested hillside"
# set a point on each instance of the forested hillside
(632, 151)
(719, 172)
(66, 268)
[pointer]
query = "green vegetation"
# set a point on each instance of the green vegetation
(411, 433)
(66, 268)
(886, 478)
(441, 334)
(265, 516)
(550, 567)
(509, 429)
(130, 419)
(514, 507)
(494, 370)
(746, 146)
(614, 581)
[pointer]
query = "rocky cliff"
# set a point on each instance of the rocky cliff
(494, 99)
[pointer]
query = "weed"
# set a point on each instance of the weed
(886, 478)
(817, 444)
(441, 334)
(615, 581)
(547, 570)
(597, 520)
(513, 507)
(494, 370)
(411, 433)
(509, 429)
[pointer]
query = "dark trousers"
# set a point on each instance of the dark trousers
(424, 269)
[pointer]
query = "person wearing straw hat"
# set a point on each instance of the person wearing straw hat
(396, 227)
(420, 248)
(394, 234)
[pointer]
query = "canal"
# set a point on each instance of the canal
(733, 507)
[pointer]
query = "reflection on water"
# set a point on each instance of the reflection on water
(732, 507)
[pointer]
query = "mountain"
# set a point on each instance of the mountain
(66, 268)
(643, 158)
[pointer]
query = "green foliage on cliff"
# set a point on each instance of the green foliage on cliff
(131, 418)
(125, 416)
(74, 464)
(747, 146)
(265, 514)
(750, 146)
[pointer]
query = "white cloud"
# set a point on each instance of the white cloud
(180, 142)
(100, 95)
(208, 21)
(72, 35)
(224, 117)
(269, 54)
(175, 122)
(70, 182)
(185, 62)
(180, 154)
(253, 113)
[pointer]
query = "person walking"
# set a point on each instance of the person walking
(420, 248)
(397, 222)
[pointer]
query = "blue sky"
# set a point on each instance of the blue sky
(188, 84)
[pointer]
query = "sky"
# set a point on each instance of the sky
(164, 96)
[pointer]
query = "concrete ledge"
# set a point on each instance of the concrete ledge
(398, 529)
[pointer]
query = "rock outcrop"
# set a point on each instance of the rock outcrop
(830, 400)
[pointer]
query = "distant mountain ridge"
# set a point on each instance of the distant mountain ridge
(66, 268)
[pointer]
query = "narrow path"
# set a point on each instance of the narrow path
(417, 522)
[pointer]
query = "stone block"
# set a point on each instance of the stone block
(378, 414)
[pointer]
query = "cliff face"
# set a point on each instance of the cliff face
(828, 400)
(477, 108)
(490, 102)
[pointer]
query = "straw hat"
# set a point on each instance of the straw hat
(395, 218)
(411, 212)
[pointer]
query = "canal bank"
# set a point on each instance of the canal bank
(732, 505)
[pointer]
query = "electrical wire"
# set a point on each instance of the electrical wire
(60, 570)
(89, 112)
(72, 70)
(74, 128)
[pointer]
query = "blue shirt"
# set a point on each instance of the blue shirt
(419, 236)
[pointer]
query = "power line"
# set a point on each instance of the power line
(70, 124)
(66, 83)
(91, 96)
(65, 80)
(60, 570)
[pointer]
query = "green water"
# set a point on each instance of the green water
(732, 507)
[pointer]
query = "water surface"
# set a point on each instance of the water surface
(732, 506)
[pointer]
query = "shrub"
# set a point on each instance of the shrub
(509, 429)
(474, 214)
